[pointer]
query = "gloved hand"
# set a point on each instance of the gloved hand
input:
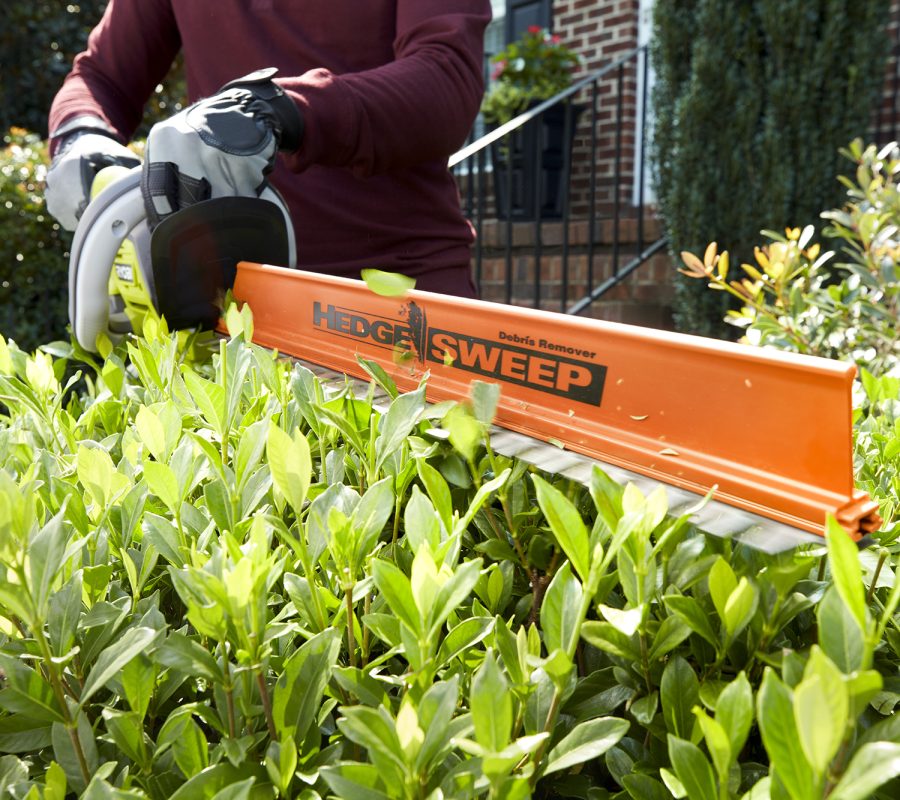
(81, 155)
(221, 146)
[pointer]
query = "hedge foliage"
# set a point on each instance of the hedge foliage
(753, 101)
(33, 248)
(38, 42)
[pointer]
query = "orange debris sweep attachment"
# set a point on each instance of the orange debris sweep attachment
(770, 431)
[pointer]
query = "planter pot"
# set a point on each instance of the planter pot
(517, 153)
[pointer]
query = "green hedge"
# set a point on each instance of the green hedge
(38, 42)
(752, 102)
(33, 248)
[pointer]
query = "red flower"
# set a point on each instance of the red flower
(534, 29)
(556, 38)
(498, 69)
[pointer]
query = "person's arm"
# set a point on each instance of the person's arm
(417, 108)
(128, 54)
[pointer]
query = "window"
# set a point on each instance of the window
(521, 14)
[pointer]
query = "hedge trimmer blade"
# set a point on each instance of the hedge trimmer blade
(769, 433)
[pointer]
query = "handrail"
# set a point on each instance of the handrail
(529, 160)
(531, 113)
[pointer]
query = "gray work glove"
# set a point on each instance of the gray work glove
(82, 153)
(221, 146)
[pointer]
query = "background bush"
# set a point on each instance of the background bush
(33, 248)
(752, 102)
(37, 44)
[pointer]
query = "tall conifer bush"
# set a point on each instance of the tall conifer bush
(752, 100)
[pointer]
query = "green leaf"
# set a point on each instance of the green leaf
(717, 743)
(206, 784)
(491, 706)
(692, 614)
(643, 787)
(873, 765)
(782, 739)
(97, 474)
(236, 791)
(291, 465)
(187, 741)
(398, 423)
(485, 397)
(26, 692)
(362, 686)
(20, 733)
(672, 632)
(127, 731)
(370, 516)
(421, 522)
(625, 620)
(606, 637)
(722, 582)
(821, 707)
(566, 524)
(438, 491)
(734, 711)
(840, 636)
(741, 607)
(376, 730)
(209, 397)
(64, 750)
(111, 661)
(377, 373)
(462, 638)
(387, 284)
(46, 552)
(359, 781)
(139, 682)
(54, 781)
(585, 741)
(692, 769)
(679, 693)
(162, 482)
(843, 558)
(298, 692)
(159, 432)
(397, 591)
(560, 611)
(466, 433)
(188, 657)
(451, 595)
(607, 495)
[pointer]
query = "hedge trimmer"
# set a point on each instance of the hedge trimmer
(767, 433)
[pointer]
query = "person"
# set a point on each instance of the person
(363, 100)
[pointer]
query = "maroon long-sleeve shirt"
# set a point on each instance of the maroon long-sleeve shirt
(388, 90)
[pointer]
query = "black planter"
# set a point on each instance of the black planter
(517, 153)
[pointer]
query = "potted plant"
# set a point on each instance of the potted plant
(526, 72)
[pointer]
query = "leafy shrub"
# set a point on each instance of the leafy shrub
(230, 580)
(751, 103)
(33, 248)
(38, 41)
(801, 298)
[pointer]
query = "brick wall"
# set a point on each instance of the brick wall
(601, 31)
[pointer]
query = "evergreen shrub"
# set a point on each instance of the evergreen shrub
(38, 41)
(33, 247)
(753, 101)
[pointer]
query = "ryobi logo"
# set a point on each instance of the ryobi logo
(574, 378)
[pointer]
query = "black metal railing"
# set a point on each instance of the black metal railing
(596, 125)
